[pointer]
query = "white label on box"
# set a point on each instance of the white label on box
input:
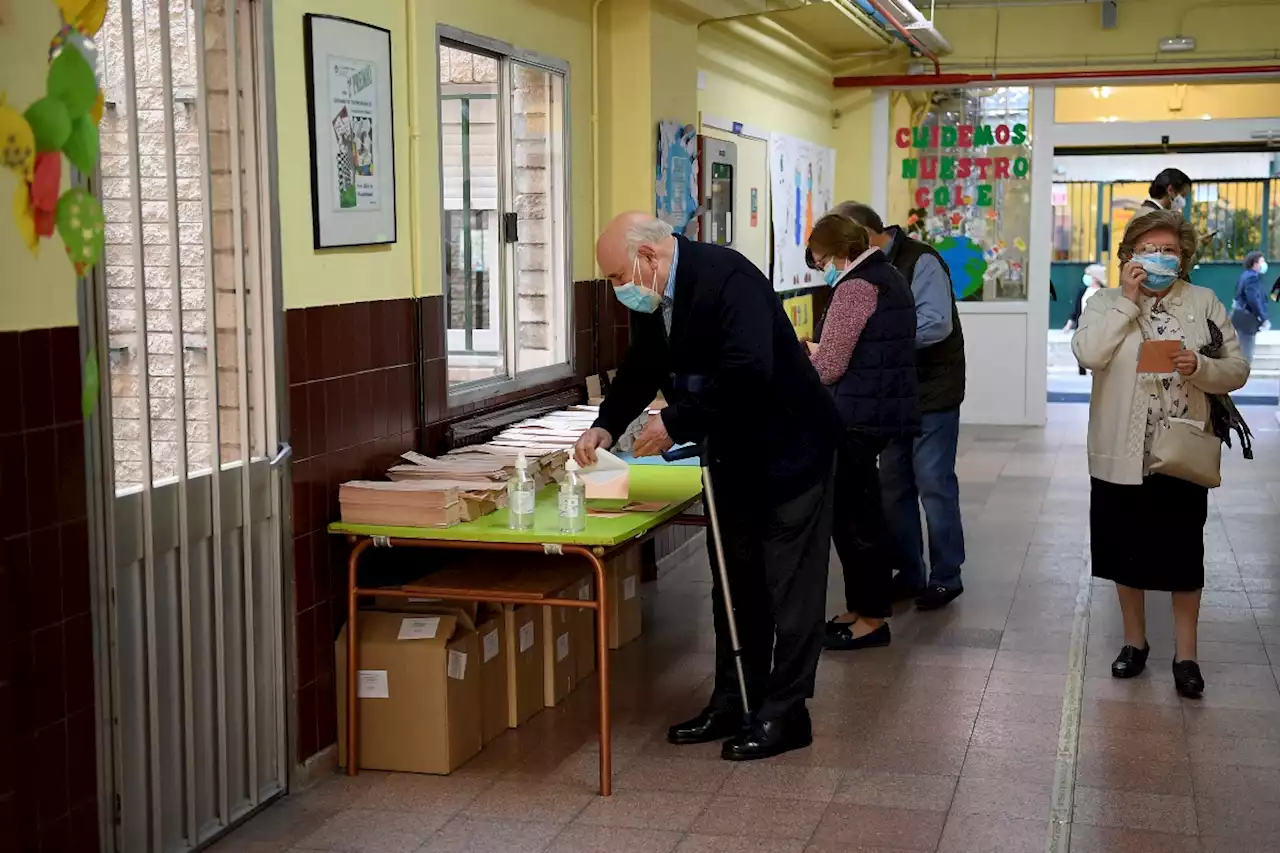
(526, 636)
(373, 684)
(419, 628)
(629, 588)
(562, 647)
(457, 664)
(584, 591)
(491, 645)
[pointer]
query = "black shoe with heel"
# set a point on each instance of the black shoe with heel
(1187, 679)
(1131, 661)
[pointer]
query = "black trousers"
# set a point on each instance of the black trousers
(859, 530)
(777, 555)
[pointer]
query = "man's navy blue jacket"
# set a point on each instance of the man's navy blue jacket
(732, 372)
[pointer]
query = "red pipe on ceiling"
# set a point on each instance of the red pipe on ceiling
(906, 34)
(908, 80)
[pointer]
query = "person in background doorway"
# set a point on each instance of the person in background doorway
(1171, 190)
(867, 358)
(1146, 529)
(922, 470)
(709, 332)
(1093, 280)
(1249, 309)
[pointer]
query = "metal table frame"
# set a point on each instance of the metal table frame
(593, 554)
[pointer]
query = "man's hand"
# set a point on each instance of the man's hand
(653, 439)
(584, 451)
(1186, 361)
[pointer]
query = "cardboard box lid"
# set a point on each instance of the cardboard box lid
(379, 628)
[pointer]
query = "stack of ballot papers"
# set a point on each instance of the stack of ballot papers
(546, 465)
(481, 483)
(399, 504)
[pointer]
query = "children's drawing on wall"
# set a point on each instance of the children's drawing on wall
(676, 185)
(353, 103)
(972, 201)
(802, 179)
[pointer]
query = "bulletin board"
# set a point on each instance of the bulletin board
(802, 178)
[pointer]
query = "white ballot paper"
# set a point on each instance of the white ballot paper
(610, 477)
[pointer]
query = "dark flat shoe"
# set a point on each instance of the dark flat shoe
(1130, 662)
(1187, 679)
(937, 597)
(767, 738)
(843, 640)
(710, 725)
(834, 627)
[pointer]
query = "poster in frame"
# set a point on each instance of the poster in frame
(352, 132)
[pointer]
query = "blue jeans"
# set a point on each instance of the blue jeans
(923, 471)
(1248, 343)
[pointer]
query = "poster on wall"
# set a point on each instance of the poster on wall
(676, 187)
(353, 189)
(802, 178)
(971, 198)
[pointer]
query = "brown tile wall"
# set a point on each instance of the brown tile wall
(355, 374)
(48, 774)
(353, 408)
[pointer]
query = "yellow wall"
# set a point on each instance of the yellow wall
(1070, 36)
(35, 292)
(673, 69)
(628, 132)
(557, 28)
(1180, 102)
(336, 275)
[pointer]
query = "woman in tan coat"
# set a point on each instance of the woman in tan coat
(1147, 528)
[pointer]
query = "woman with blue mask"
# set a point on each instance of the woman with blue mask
(1147, 527)
(1248, 308)
(867, 360)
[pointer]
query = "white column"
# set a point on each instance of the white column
(1040, 256)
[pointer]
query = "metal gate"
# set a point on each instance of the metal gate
(183, 316)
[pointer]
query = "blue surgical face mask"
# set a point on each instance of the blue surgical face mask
(635, 296)
(1087, 280)
(1180, 205)
(1162, 270)
(831, 275)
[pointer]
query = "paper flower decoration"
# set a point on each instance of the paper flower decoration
(44, 191)
(81, 147)
(17, 141)
(72, 81)
(85, 15)
(50, 122)
(25, 216)
(81, 226)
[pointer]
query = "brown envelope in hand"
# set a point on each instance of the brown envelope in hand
(1157, 356)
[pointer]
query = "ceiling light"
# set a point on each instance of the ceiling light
(1206, 117)
(1101, 91)
(1177, 44)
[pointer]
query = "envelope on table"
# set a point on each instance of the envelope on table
(610, 477)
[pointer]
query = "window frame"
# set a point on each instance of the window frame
(511, 379)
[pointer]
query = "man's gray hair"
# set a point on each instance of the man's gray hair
(652, 232)
(861, 214)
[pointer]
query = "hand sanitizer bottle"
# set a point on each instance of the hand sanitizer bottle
(573, 500)
(520, 496)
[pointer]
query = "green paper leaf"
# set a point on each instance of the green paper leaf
(81, 147)
(80, 224)
(50, 123)
(89, 386)
(72, 81)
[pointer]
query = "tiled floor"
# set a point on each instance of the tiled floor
(947, 741)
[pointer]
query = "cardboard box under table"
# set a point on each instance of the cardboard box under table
(536, 582)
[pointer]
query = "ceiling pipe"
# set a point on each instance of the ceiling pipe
(859, 20)
(906, 34)
(909, 80)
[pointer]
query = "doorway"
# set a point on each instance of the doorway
(183, 322)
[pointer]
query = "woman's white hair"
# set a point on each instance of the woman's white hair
(649, 232)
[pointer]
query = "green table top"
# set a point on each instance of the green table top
(675, 485)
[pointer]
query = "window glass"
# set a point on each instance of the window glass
(962, 172)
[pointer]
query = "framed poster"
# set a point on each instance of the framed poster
(802, 189)
(349, 108)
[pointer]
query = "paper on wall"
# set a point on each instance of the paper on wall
(373, 684)
(609, 477)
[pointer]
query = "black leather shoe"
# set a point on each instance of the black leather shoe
(711, 724)
(1131, 661)
(843, 640)
(900, 590)
(937, 597)
(1187, 679)
(767, 738)
(835, 627)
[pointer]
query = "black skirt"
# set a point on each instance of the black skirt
(1149, 536)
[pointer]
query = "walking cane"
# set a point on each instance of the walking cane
(688, 452)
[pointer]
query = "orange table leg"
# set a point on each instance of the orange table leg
(353, 658)
(602, 667)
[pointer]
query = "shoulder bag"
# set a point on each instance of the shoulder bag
(1182, 447)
